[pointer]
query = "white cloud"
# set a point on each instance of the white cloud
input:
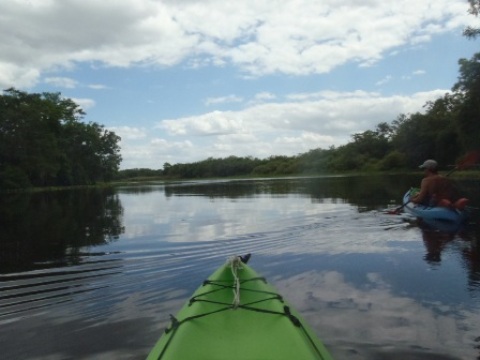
(326, 113)
(84, 103)
(414, 73)
(97, 86)
(331, 95)
(129, 133)
(155, 152)
(262, 98)
(62, 82)
(12, 75)
(223, 99)
(259, 36)
(214, 123)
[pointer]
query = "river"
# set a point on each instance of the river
(94, 274)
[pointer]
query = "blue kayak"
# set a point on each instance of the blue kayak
(434, 215)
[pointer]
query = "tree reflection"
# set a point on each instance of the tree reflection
(48, 229)
(366, 192)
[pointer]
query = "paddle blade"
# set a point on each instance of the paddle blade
(393, 212)
(470, 159)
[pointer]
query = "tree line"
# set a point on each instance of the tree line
(447, 129)
(43, 142)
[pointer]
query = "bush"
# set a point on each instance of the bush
(394, 160)
(13, 178)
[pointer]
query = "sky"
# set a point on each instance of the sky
(184, 80)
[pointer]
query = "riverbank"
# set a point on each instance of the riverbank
(460, 174)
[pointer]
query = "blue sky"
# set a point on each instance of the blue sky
(181, 81)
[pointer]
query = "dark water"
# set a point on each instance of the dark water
(95, 274)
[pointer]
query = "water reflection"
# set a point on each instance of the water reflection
(471, 256)
(367, 192)
(96, 274)
(376, 316)
(42, 230)
(435, 242)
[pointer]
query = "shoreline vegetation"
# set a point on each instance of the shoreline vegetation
(146, 180)
(223, 169)
(460, 174)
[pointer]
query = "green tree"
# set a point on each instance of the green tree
(393, 160)
(433, 134)
(467, 90)
(30, 126)
(44, 142)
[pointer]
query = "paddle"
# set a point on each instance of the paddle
(469, 159)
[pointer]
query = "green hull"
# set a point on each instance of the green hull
(260, 326)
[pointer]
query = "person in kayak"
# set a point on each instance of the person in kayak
(435, 189)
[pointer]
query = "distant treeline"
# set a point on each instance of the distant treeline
(43, 142)
(447, 130)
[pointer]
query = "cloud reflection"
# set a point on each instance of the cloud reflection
(353, 318)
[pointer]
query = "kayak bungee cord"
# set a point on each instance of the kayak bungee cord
(235, 264)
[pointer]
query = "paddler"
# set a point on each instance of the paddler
(437, 190)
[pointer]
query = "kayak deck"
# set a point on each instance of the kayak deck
(236, 314)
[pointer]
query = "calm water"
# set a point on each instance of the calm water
(95, 274)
